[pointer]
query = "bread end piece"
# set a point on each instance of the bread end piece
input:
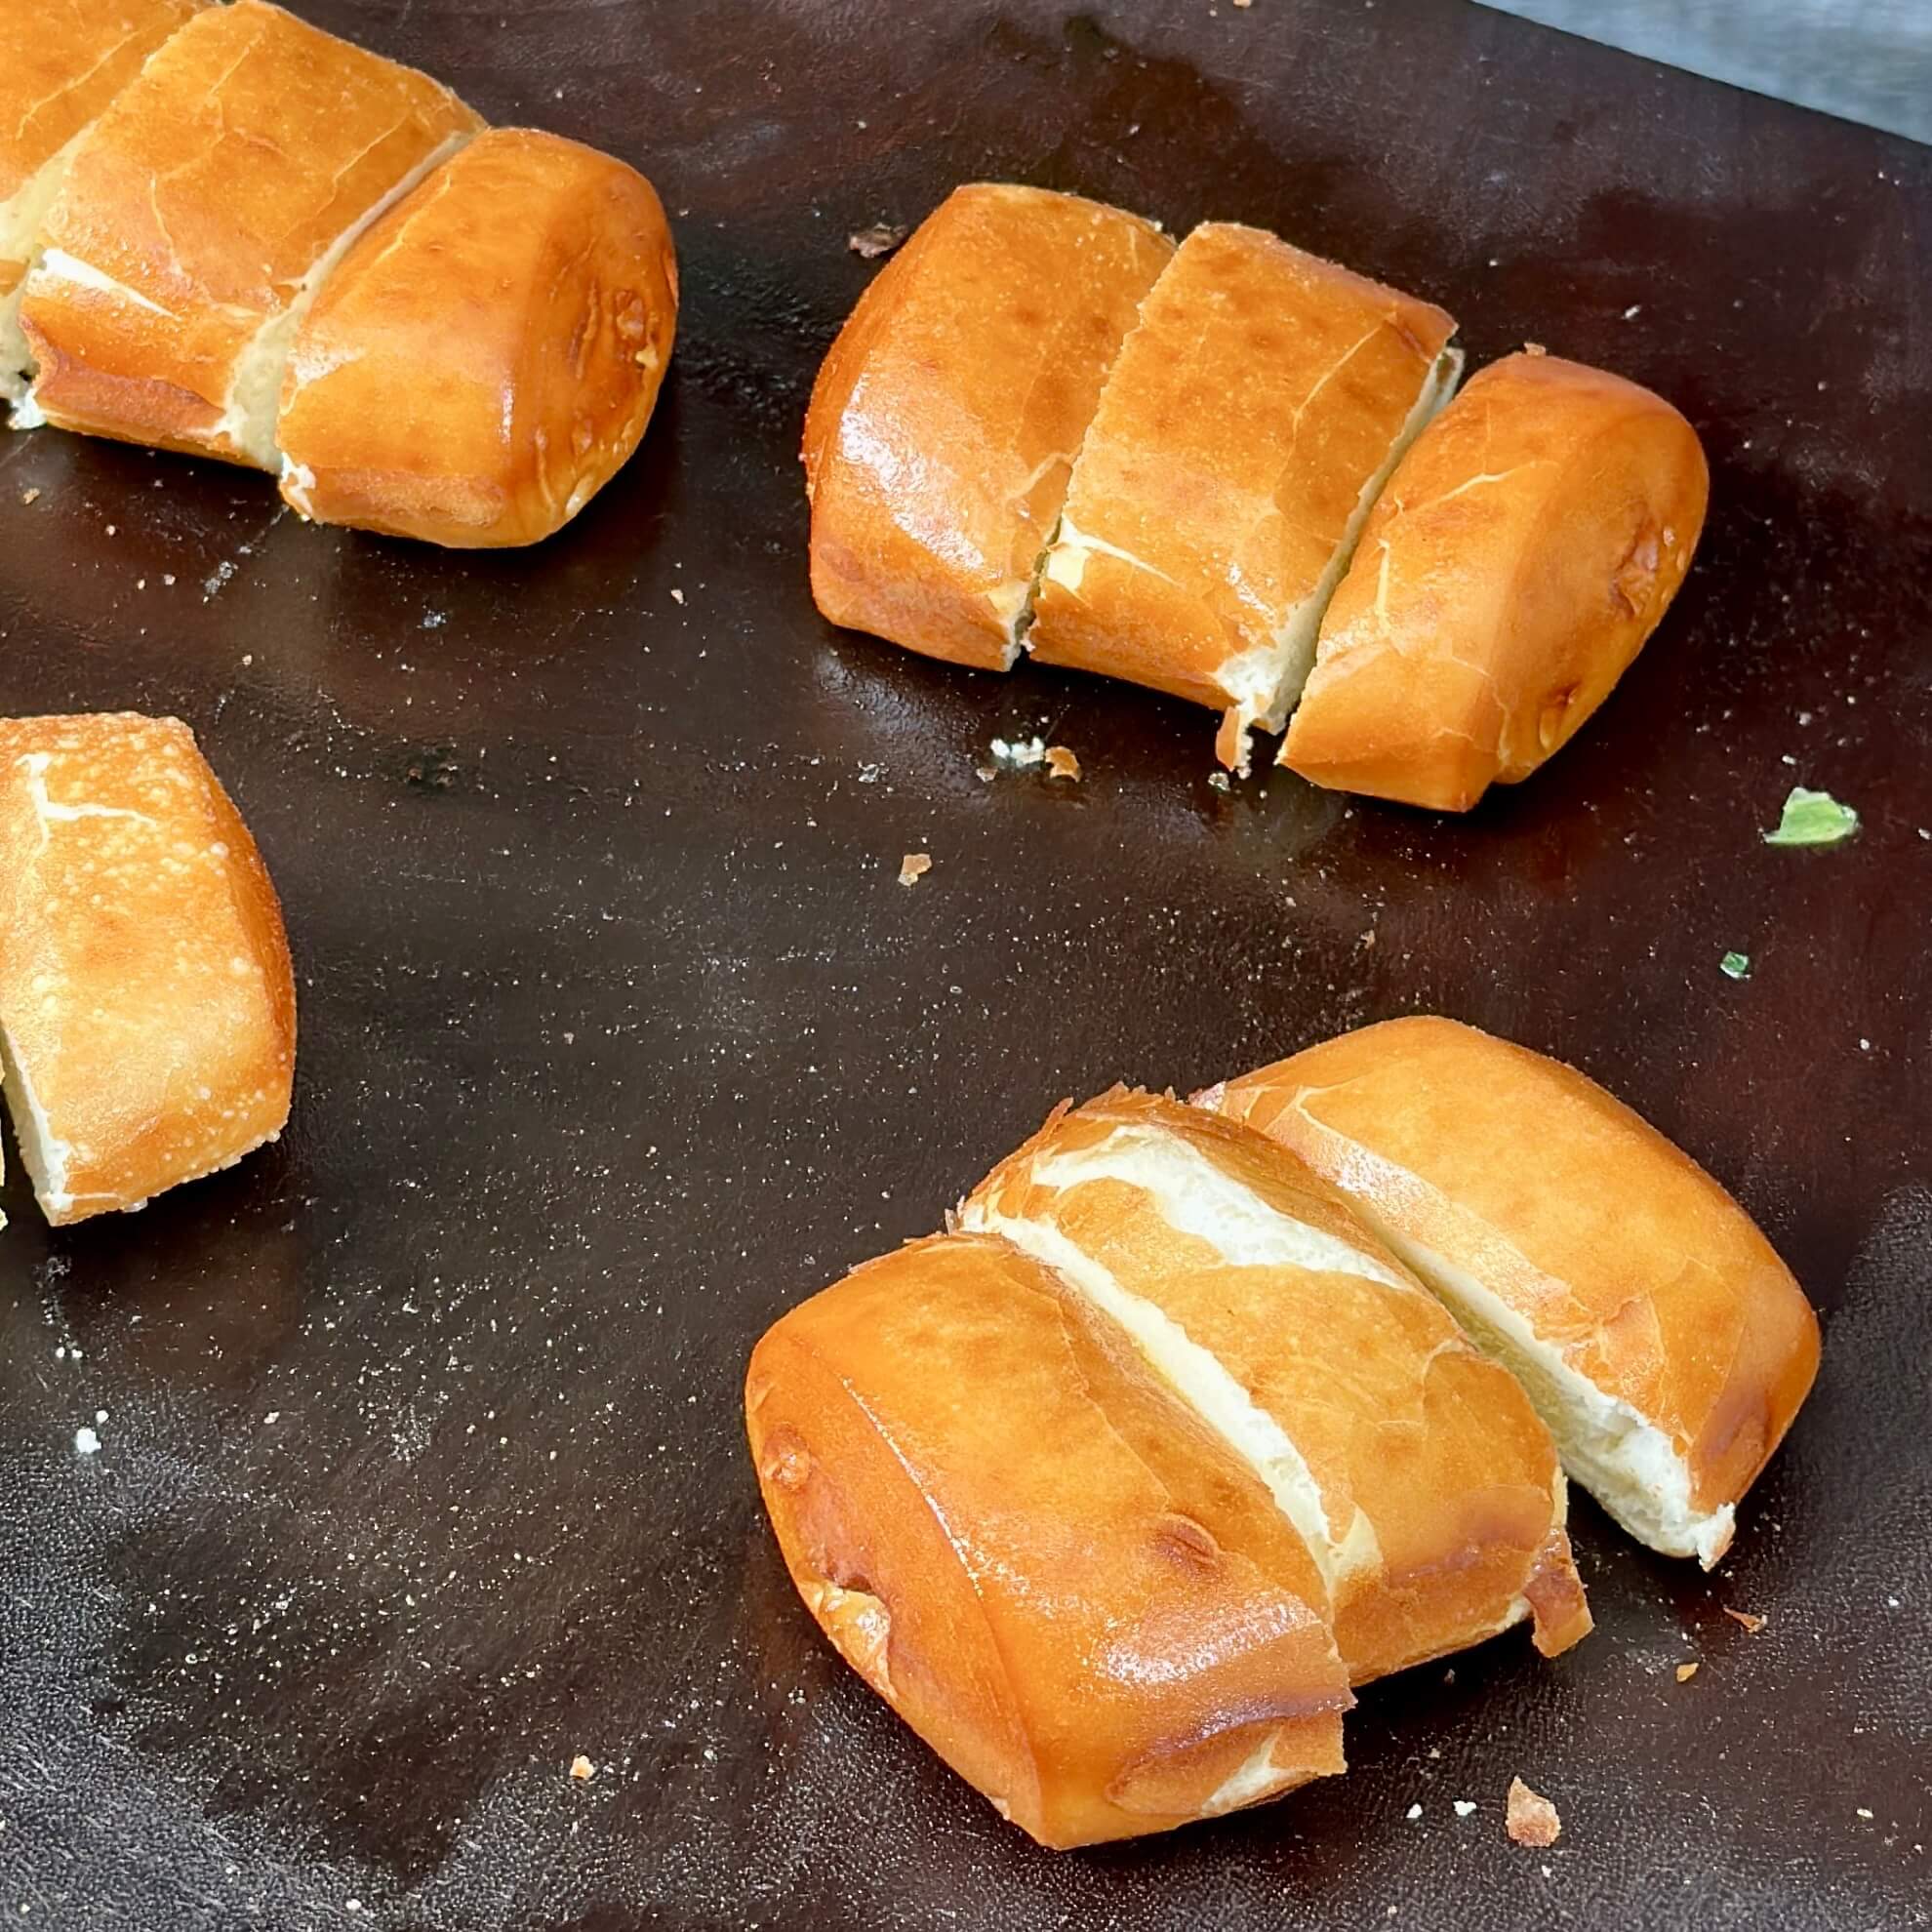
(147, 1012)
(486, 355)
(1524, 552)
(1652, 1324)
(947, 416)
(1114, 1639)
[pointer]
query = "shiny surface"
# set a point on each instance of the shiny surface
(620, 1035)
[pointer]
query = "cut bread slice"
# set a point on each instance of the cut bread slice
(58, 72)
(201, 213)
(1417, 1471)
(1248, 424)
(945, 418)
(1046, 1565)
(1658, 1333)
(1525, 548)
(147, 1001)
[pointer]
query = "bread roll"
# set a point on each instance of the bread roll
(945, 418)
(1249, 420)
(486, 354)
(62, 61)
(147, 1002)
(1064, 1582)
(199, 214)
(1415, 1468)
(1523, 552)
(1665, 1344)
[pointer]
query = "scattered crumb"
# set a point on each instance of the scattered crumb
(29, 495)
(86, 1442)
(1632, 314)
(1753, 1624)
(1062, 763)
(984, 774)
(1735, 965)
(1534, 348)
(582, 1769)
(1531, 1819)
(677, 595)
(1685, 1672)
(1023, 752)
(1864, 1811)
(881, 238)
(1219, 780)
(914, 866)
(272, 1417)
(1463, 1806)
(1412, 1813)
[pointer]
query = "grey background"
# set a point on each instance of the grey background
(1868, 60)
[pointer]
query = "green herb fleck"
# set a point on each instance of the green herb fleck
(1736, 965)
(1813, 818)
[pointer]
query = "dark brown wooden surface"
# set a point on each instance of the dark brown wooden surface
(421, 1471)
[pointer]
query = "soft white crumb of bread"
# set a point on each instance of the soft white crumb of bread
(21, 217)
(1260, 1777)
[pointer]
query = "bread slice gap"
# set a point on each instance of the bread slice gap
(1616, 1452)
(254, 400)
(1198, 1199)
(1266, 684)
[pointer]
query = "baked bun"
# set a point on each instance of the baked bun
(62, 61)
(1415, 1468)
(1525, 548)
(147, 1002)
(1664, 1344)
(1248, 422)
(200, 213)
(944, 421)
(486, 354)
(1046, 1565)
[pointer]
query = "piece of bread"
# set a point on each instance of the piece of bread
(147, 1002)
(945, 418)
(1664, 1344)
(1249, 420)
(486, 354)
(62, 61)
(1523, 550)
(1058, 1577)
(1414, 1467)
(199, 214)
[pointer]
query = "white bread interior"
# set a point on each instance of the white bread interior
(22, 218)
(1264, 685)
(1629, 1465)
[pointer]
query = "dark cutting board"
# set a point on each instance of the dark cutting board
(421, 1471)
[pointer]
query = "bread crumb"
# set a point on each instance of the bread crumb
(1412, 1813)
(1685, 1672)
(1062, 763)
(914, 866)
(582, 1769)
(677, 595)
(29, 495)
(1531, 1819)
(1023, 752)
(1534, 348)
(881, 238)
(1753, 1624)
(1463, 1806)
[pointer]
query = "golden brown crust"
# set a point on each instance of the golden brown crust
(1526, 546)
(1443, 1498)
(946, 418)
(60, 72)
(196, 205)
(146, 988)
(1046, 1565)
(1614, 1245)
(1260, 393)
(485, 357)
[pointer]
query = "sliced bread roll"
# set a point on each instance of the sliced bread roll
(62, 61)
(200, 214)
(486, 354)
(1413, 1466)
(147, 1001)
(1524, 550)
(1056, 1574)
(1248, 422)
(1662, 1339)
(945, 418)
